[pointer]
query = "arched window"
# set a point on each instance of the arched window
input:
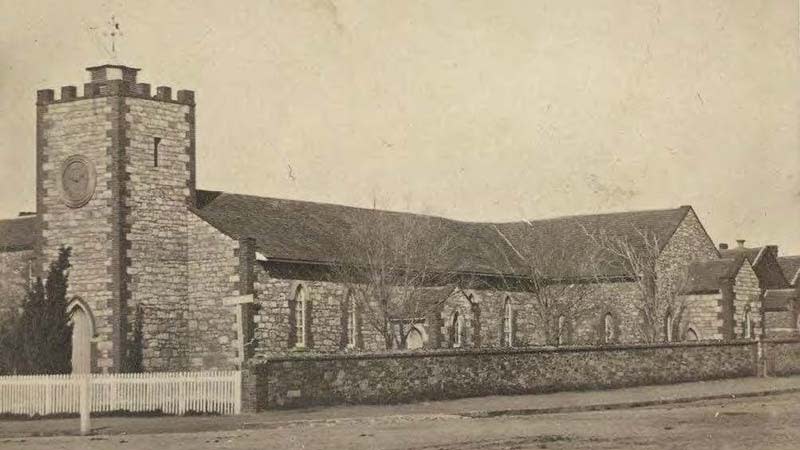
(669, 323)
(414, 339)
(608, 328)
(691, 335)
(300, 317)
(748, 331)
(508, 323)
(352, 322)
(561, 329)
(458, 329)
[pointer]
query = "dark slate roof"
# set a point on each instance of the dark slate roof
(779, 299)
(751, 253)
(577, 235)
(790, 266)
(19, 233)
(705, 276)
(765, 264)
(301, 231)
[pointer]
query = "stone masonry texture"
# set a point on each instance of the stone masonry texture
(782, 357)
(83, 127)
(274, 290)
(689, 242)
(300, 381)
(157, 199)
(211, 330)
(137, 244)
(746, 298)
(704, 315)
(274, 295)
(130, 240)
(781, 323)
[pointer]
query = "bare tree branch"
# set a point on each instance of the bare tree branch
(559, 278)
(638, 255)
(388, 260)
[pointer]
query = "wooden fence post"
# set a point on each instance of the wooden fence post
(113, 400)
(86, 426)
(237, 392)
(181, 396)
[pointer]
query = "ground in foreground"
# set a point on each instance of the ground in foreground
(753, 423)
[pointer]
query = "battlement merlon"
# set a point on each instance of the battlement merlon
(114, 80)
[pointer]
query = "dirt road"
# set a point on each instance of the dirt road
(755, 423)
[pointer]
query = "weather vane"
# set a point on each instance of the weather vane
(113, 33)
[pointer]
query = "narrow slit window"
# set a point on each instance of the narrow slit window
(156, 142)
(508, 324)
(352, 323)
(30, 274)
(300, 317)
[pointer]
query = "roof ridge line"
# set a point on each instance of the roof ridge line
(570, 216)
(523, 220)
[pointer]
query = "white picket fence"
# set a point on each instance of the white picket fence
(168, 392)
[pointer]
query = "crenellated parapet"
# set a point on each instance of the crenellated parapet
(113, 80)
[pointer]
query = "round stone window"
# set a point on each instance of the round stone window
(78, 181)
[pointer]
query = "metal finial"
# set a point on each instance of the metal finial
(114, 32)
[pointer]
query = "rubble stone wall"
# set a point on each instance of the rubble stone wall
(88, 127)
(704, 315)
(211, 329)
(747, 295)
(158, 195)
(300, 381)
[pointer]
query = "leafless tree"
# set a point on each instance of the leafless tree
(637, 254)
(391, 262)
(559, 276)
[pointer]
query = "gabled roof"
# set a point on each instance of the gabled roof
(300, 231)
(705, 276)
(790, 265)
(19, 233)
(765, 264)
(751, 253)
(578, 235)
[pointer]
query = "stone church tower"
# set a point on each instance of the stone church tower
(115, 182)
(168, 277)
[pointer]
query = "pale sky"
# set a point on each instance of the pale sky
(474, 110)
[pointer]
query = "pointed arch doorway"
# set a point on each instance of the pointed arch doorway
(82, 334)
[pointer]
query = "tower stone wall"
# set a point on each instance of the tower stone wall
(158, 188)
(101, 193)
(85, 127)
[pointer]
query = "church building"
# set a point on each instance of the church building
(194, 279)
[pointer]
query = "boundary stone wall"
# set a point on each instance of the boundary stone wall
(301, 381)
(780, 357)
